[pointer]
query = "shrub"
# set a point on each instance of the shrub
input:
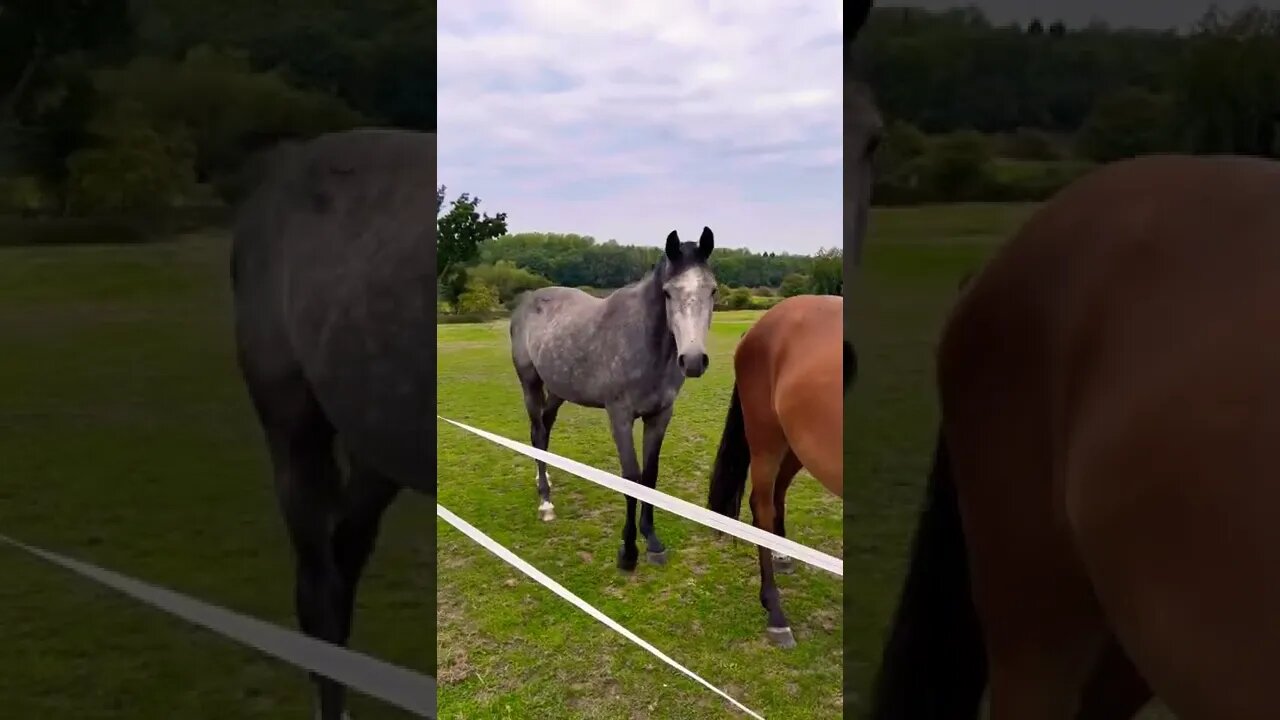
(23, 195)
(1030, 144)
(794, 284)
(508, 279)
(130, 168)
(1128, 122)
(479, 297)
(958, 167)
(739, 299)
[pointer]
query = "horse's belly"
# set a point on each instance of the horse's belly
(562, 385)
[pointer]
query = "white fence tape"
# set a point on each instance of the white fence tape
(389, 683)
(514, 560)
(670, 503)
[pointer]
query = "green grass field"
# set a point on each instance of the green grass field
(127, 440)
(509, 648)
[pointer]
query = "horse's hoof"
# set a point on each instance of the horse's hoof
(626, 564)
(781, 637)
(784, 564)
(657, 558)
(547, 512)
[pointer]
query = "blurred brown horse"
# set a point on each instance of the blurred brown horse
(1101, 519)
(786, 413)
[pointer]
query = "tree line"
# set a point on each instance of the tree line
(119, 106)
(979, 111)
(481, 267)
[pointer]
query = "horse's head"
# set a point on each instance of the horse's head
(689, 289)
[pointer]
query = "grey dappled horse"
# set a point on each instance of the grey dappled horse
(333, 274)
(628, 353)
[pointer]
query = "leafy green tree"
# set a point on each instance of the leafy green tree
(508, 279)
(377, 56)
(827, 275)
(221, 104)
(35, 34)
(22, 195)
(739, 299)
(131, 168)
(1126, 123)
(959, 166)
(1031, 144)
(794, 284)
(459, 234)
(1228, 86)
(478, 298)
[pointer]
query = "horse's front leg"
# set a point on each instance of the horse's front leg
(621, 421)
(655, 428)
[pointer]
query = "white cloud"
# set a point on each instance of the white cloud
(627, 119)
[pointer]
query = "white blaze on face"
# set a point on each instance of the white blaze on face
(690, 299)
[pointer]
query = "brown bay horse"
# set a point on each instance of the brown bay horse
(1100, 524)
(786, 412)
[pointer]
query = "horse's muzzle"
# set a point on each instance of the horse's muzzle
(693, 364)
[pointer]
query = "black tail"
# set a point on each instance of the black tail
(934, 664)
(729, 475)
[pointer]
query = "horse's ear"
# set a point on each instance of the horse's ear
(706, 243)
(673, 246)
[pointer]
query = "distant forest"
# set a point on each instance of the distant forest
(113, 106)
(979, 111)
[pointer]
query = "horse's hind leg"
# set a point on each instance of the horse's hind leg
(535, 403)
(368, 494)
(764, 470)
(655, 429)
(308, 488)
(790, 466)
(769, 450)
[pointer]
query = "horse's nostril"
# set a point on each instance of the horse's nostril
(680, 361)
(706, 361)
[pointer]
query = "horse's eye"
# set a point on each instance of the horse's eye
(713, 291)
(667, 293)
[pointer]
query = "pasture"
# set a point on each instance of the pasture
(126, 439)
(914, 260)
(509, 648)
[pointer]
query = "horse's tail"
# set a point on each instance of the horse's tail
(729, 474)
(934, 663)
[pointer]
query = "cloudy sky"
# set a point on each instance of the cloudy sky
(629, 119)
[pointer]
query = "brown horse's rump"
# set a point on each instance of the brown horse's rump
(1110, 393)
